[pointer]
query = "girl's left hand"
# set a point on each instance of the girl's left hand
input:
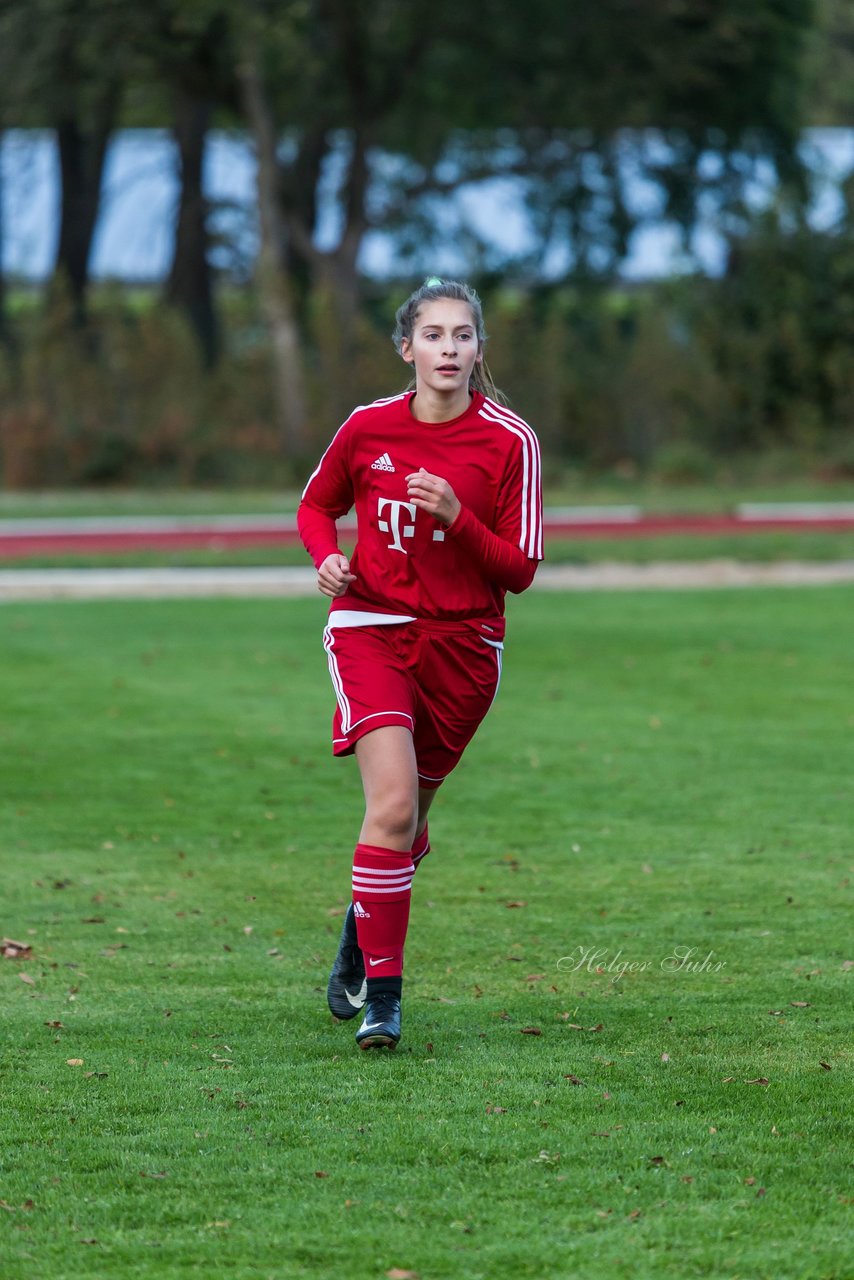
(433, 495)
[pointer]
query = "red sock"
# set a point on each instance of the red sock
(382, 888)
(420, 847)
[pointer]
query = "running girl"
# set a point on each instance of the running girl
(446, 484)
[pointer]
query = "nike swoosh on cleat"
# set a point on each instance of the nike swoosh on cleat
(359, 998)
(384, 960)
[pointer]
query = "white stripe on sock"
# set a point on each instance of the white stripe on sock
(366, 882)
(380, 871)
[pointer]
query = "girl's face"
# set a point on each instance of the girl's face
(444, 347)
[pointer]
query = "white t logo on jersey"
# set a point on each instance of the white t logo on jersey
(393, 525)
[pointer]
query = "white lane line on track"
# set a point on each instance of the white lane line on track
(115, 584)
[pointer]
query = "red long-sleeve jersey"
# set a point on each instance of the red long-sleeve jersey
(405, 561)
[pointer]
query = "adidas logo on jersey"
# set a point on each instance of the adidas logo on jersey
(383, 464)
(360, 911)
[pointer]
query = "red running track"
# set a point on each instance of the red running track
(59, 538)
(54, 540)
(127, 540)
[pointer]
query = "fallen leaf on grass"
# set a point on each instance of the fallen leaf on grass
(847, 964)
(397, 1273)
(800, 1004)
(748, 1182)
(89, 1242)
(74, 1062)
(56, 1025)
(321, 1173)
(658, 1160)
(26, 1207)
(535, 977)
(495, 1111)
(516, 903)
(12, 950)
(826, 1066)
(758, 1080)
(761, 1192)
(572, 1079)
(530, 1031)
(161, 1174)
(25, 977)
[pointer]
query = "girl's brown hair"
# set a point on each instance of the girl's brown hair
(431, 291)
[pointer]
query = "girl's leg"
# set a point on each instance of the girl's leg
(425, 799)
(382, 875)
(382, 862)
(386, 760)
(385, 858)
(421, 843)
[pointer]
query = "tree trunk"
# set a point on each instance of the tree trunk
(273, 284)
(4, 335)
(81, 165)
(190, 285)
(334, 280)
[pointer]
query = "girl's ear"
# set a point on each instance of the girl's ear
(406, 351)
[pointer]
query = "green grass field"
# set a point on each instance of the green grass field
(627, 1019)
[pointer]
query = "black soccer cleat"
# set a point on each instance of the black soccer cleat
(347, 989)
(381, 1028)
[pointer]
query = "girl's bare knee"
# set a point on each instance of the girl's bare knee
(394, 816)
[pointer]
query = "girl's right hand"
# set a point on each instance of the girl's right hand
(334, 576)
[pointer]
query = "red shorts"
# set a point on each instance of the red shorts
(437, 679)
